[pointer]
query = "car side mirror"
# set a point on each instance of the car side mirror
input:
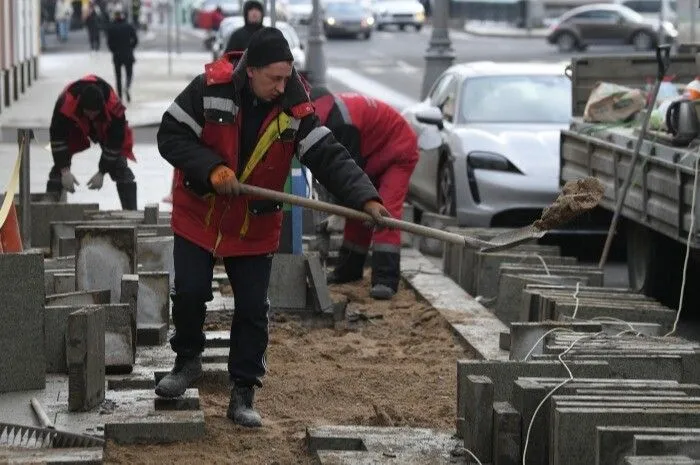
(430, 115)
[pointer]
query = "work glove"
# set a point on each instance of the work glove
(224, 181)
(377, 211)
(68, 180)
(96, 181)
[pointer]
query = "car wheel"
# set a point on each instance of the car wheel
(446, 190)
(566, 42)
(367, 35)
(642, 41)
(418, 27)
(402, 27)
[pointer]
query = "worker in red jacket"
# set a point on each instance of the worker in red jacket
(90, 110)
(386, 148)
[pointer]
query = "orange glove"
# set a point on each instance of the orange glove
(224, 181)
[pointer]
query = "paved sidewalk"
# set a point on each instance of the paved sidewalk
(153, 88)
(499, 29)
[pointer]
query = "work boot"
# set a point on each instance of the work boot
(240, 407)
(385, 274)
(381, 292)
(127, 194)
(349, 269)
(186, 371)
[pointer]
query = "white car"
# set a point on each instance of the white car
(488, 135)
(401, 13)
(228, 25)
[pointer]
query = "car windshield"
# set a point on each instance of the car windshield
(343, 7)
(516, 99)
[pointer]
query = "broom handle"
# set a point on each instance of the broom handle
(353, 214)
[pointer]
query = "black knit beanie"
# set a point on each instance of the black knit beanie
(266, 46)
(91, 98)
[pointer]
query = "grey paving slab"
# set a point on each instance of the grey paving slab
(657, 444)
(613, 443)
(23, 363)
(85, 357)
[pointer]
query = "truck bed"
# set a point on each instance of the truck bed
(660, 195)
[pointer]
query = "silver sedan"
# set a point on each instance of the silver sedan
(488, 135)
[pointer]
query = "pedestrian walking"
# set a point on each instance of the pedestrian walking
(63, 15)
(242, 121)
(89, 110)
(93, 23)
(385, 146)
(253, 14)
(122, 39)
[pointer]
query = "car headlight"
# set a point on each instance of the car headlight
(369, 20)
(490, 161)
(420, 16)
(330, 21)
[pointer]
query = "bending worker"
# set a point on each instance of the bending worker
(386, 148)
(242, 121)
(89, 110)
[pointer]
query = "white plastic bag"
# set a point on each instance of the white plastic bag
(612, 103)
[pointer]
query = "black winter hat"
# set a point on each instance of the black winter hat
(266, 46)
(91, 98)
(250, 4)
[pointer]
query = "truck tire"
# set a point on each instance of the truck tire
(654, 263)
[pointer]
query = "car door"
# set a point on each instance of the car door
(422, 186)
(608, 27)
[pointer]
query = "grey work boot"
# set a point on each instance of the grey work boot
(187, 370)
(240, 408)
(381, 292)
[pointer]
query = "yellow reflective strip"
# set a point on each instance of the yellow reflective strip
(212, 202)
(219, 236)
(273, 130)
(246, 222)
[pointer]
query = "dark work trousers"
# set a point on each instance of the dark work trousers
(117, 168)
(94, 37)
(249, 277)
(129, 68)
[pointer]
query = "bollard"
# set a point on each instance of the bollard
(26, 136)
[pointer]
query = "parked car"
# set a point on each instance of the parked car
(206, 11)
(342, 19)
(488, 135)
(651, 9)
(400, 13)
(607, 24)
(229, 25)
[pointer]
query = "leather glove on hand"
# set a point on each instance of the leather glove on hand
(96, 181)
(377, 211)
(68, 180)
(224, 181)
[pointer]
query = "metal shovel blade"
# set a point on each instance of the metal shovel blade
(510, 239)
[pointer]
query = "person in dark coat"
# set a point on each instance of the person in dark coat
(253, 14)
(89, 110)
(93, 23)
(122, 40)
(242, 121)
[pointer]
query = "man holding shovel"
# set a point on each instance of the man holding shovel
(382, 142)
(242, 121)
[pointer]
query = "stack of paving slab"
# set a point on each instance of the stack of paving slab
(86, 315)
(629, 394)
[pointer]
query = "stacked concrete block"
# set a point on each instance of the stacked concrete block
(431, 246)
(104, 254)
(80, 297)
(22, 360)
(85, 353)
(156, 254)
(614, 443)
(408, 214)
(44, 213)
(153, 307)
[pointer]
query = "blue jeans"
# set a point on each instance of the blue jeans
(62, 29)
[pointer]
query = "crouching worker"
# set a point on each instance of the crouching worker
(89, 110)
(241, 121)
(383, 143)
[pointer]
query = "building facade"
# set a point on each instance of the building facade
(20, 46)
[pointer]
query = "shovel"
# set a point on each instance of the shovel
(576, 198)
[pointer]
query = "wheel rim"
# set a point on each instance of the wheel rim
(566, 42)
(642, 42)
(446, 192)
